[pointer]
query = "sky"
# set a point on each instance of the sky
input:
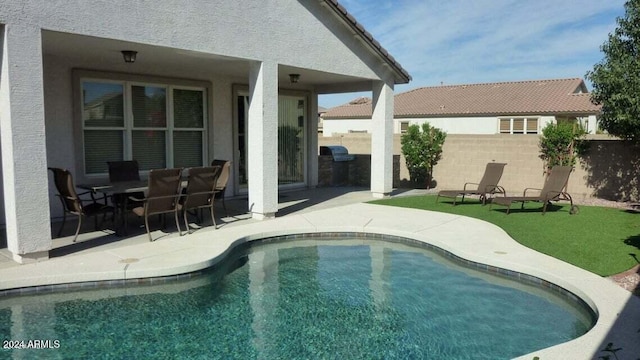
(482, 41)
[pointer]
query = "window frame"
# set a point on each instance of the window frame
(516, 119)
(127, 81)
(401, 123)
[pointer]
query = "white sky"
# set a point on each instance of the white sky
(478, 41)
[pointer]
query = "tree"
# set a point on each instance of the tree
(422, 151)
(560, 144)
(616, 79)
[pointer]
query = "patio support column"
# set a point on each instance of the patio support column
(22, 135)
(312, 146)
(382, 139)
(262, 152)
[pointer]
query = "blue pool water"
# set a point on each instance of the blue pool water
(303, 299)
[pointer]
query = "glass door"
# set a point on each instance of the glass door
(292, 140)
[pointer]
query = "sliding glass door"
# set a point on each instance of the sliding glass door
(292, 140)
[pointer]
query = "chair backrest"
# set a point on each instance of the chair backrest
(164, 190)
(224, 173)
(123, 171)
(556, 181)
(491, 178)
(66, 190)
(201, 186)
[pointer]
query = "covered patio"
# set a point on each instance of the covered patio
(70, 100)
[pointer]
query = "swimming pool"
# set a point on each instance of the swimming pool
(311, 298)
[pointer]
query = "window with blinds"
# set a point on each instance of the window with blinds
(518, 125)
(404, 127)
(158, 125)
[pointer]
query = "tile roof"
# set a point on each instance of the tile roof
(340, 10)
(555, 96)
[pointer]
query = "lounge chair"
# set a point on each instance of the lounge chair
(200, 192)
(553, 190)
(163, 196)
(73, 204)
(488, 185)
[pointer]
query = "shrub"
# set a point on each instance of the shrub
(422, 151)
(560, 144)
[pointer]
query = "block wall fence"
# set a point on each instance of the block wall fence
(610, 169)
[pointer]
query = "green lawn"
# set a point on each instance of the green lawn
(602, 240)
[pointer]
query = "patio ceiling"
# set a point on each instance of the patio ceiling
(105, 54)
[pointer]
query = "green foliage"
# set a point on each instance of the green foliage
(288, 148)
(422, 151)
(561, 143)
(600, 239)
(616, 79)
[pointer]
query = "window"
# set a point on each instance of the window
(404, 127)
(160, 125)
(518, 125)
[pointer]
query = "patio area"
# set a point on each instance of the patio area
(102, 256)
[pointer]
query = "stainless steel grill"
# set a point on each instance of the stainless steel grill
(338, 152)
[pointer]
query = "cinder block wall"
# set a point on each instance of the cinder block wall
(610, 170)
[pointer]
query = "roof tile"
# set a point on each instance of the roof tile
(554, 96)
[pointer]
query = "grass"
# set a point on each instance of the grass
(605, 241)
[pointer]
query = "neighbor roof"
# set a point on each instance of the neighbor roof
(555, 96)
(340, 10)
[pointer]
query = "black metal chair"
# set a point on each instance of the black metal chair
(200, 192)
(73, 204)
(162, 197)
(221, 187)
(121, 171)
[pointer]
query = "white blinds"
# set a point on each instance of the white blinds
(148, 132)
(291, 140)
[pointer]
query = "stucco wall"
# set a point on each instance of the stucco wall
(610, 170)
(286, 32)
(278, 31)
(451, 125)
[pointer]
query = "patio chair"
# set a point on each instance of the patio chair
(221, 187)
(553, 190)
(127, 170)
(162, 197)
(73, 204)
(200, 192)
(488, 185)
(121, 171)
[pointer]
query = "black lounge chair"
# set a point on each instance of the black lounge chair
(553, 190)
(488, 185)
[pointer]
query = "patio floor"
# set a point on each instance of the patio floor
(103, 256)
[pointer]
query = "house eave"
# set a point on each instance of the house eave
(402, 76)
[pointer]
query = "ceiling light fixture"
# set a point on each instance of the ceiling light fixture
(294, 78)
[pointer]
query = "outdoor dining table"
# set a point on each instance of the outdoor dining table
(121, 187)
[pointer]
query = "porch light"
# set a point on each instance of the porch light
(129, 56)
(294, 78)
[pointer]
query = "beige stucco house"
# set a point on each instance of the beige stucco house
(520, 107)
(211, 79)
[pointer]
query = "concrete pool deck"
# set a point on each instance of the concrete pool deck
(618, 310)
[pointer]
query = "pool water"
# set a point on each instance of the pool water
(303, 299)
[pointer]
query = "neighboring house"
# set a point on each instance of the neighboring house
(213, 79)
(522, 107)
(321, 111)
